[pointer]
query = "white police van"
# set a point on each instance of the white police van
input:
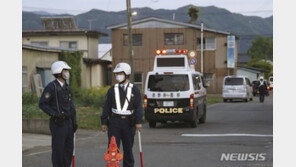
(174, 91)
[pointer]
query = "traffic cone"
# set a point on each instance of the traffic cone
(113, 154)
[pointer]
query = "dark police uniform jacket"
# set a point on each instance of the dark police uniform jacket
(135, 103)
(48, 101)
(262, 87)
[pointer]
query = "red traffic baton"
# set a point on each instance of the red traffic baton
(73, 156)
(140, 147)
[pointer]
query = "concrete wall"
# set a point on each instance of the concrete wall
(99, 75)
(92, 47)
(94, 75)
(33, 58)
(40, 126)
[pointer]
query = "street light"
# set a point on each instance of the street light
(134, 13)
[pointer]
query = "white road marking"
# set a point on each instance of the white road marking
(38, 153)
(227, 135)
(79, 139)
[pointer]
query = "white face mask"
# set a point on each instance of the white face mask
(120, 78)
(66, 75)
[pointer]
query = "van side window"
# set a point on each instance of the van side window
(196, 80)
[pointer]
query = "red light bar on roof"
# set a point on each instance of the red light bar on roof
(157, 52)
(171, 51)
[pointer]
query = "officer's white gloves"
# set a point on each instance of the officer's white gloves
(139, 126)
(104, 128)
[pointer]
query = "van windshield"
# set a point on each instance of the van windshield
(234, 81)
(168, 83)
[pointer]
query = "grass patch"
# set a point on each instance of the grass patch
(32, 111)
(88, 118)
(213, 100)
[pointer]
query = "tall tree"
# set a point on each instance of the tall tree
(262, 48)
(193, 12)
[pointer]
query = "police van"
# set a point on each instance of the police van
(174, 91)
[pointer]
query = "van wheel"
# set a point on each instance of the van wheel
(251, 99)
(152, 124)
(202, 120)
(224, 100)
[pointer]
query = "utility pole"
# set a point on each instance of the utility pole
(201, 49)
(130, 42)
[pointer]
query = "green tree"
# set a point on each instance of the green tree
(262, 48)
(267, 67)
(193, 12)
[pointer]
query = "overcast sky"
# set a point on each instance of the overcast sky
(262, 8)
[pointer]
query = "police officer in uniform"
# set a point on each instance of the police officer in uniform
(123, 112)
(262, 89)
(56, 101)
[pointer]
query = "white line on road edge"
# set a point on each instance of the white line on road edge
(85, 138)
(38, 153)
(227, 135)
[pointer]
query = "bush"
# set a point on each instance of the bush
(268, 68)
(29, 98)
(88, 118)
(32, 111)
(93, 97)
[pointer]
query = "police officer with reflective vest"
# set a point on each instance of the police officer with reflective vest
(56, 101)
(262, 89)
(123, 112)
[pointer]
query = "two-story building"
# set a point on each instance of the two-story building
(61, 32)
(150, 34)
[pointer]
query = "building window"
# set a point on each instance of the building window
(138, 78)
(24, 77)
(174, 39)
(137, 39)
(210, 43)
(68, 44)
(40, 43)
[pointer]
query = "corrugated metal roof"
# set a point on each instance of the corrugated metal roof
(103, 49)
(63, 31)
(48, 48)
(167, 21)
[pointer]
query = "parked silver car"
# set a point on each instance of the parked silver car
(237, 87)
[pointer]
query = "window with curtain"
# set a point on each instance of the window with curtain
(174, 39)
(68, 44)
(137, 39)
(210, 43)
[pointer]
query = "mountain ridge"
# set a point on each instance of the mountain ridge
(246, 27)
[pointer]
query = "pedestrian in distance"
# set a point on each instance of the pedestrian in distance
(56, 101)
(262, 89)
(123, 112)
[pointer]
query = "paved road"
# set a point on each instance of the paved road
(166, 147)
